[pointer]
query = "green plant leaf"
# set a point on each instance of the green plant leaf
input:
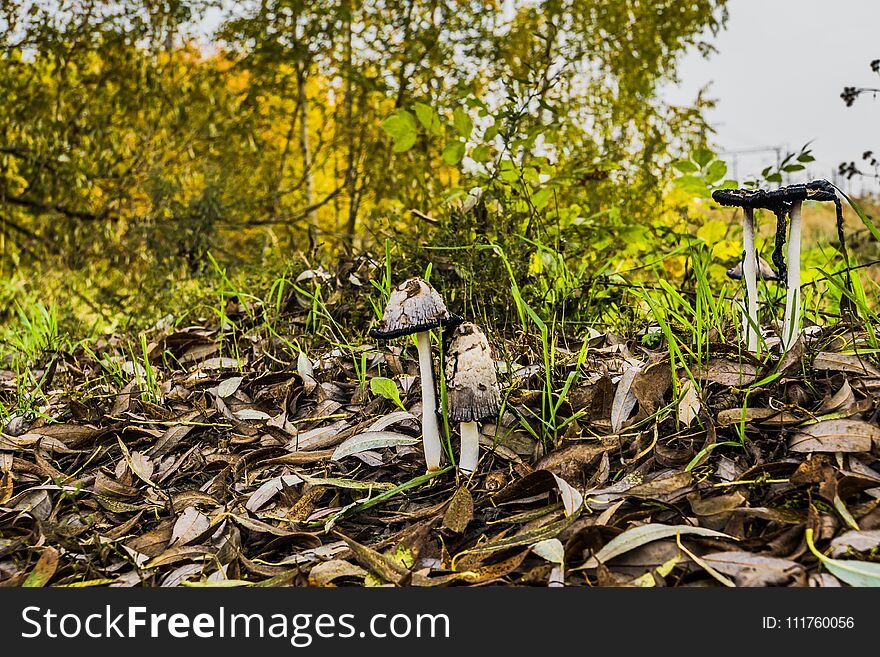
(774, 178)
(462, 122)
(693, 185)
(481, 153)
(791, 168)
(685, 166)
(453, 153)
(542, 197)
(716, 171)
(702, 156)
(866, 220)
(402, 128)
(386, 388)
(849, 571)
(428, 118)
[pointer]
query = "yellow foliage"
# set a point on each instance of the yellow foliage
(675, 266)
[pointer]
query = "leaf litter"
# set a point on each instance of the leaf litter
(248, 462)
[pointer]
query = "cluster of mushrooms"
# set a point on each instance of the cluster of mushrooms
(783, 202)
(473, 394)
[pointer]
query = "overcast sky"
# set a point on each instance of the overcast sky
(777, 78)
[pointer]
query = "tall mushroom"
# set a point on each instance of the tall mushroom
(750, 309)
(472, 389)
(783, 201)
(791, 324)
(414, 308)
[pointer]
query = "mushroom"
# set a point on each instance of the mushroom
(751, 328)
(765, 271)
(472, 389)
(414, 308)
(783, 201)
(792, 320)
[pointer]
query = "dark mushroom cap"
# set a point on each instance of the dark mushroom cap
(765, 271)
(777, 200)
(414, 306)
(471, 381)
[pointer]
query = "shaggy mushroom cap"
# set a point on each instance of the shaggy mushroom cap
(471, 381)
(413, 307)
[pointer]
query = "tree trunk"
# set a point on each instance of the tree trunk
(351, 173)
(308, 178)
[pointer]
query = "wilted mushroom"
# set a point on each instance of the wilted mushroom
(414, 308)
(765, 271)
(783, 201)
(472, 389)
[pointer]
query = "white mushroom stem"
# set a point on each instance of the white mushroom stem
(430, 428)
(791, 323)
(470, 446)
(750, 276)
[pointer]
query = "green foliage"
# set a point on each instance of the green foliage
(385, 387)
(128, 152)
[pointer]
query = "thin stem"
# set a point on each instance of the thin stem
(750, 276)
(470, 446)
(430, 428)
(791, 324)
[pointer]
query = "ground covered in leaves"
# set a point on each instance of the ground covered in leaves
(214, 456)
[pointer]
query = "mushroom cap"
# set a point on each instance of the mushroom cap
(472, 388)
(414, 306)
(765, 271)
(777, 200)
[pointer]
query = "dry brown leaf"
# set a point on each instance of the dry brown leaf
(460, 511)
(835, 436)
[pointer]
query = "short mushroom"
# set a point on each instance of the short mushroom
(414, 308)
(472, 389)
(765, 271)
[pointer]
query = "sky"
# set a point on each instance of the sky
(777, 76)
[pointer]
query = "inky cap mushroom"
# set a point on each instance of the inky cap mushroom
(471, 387)
(414, 306)
(765, 271)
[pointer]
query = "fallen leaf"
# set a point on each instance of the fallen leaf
(572, 499)
(191, 524)
(748, 569)
(638, 536)
(371, 440)
(268, 490)
(689, 406)
(624, 398)
(228, 387)
(324, 573)
(828, 360)
(45, 569)
(835, 436)
(550, 549)
(849, 571)
(252, 414)
(858, 541)
(727, 372)
(460, 511)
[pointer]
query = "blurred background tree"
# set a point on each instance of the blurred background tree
(134, 141)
